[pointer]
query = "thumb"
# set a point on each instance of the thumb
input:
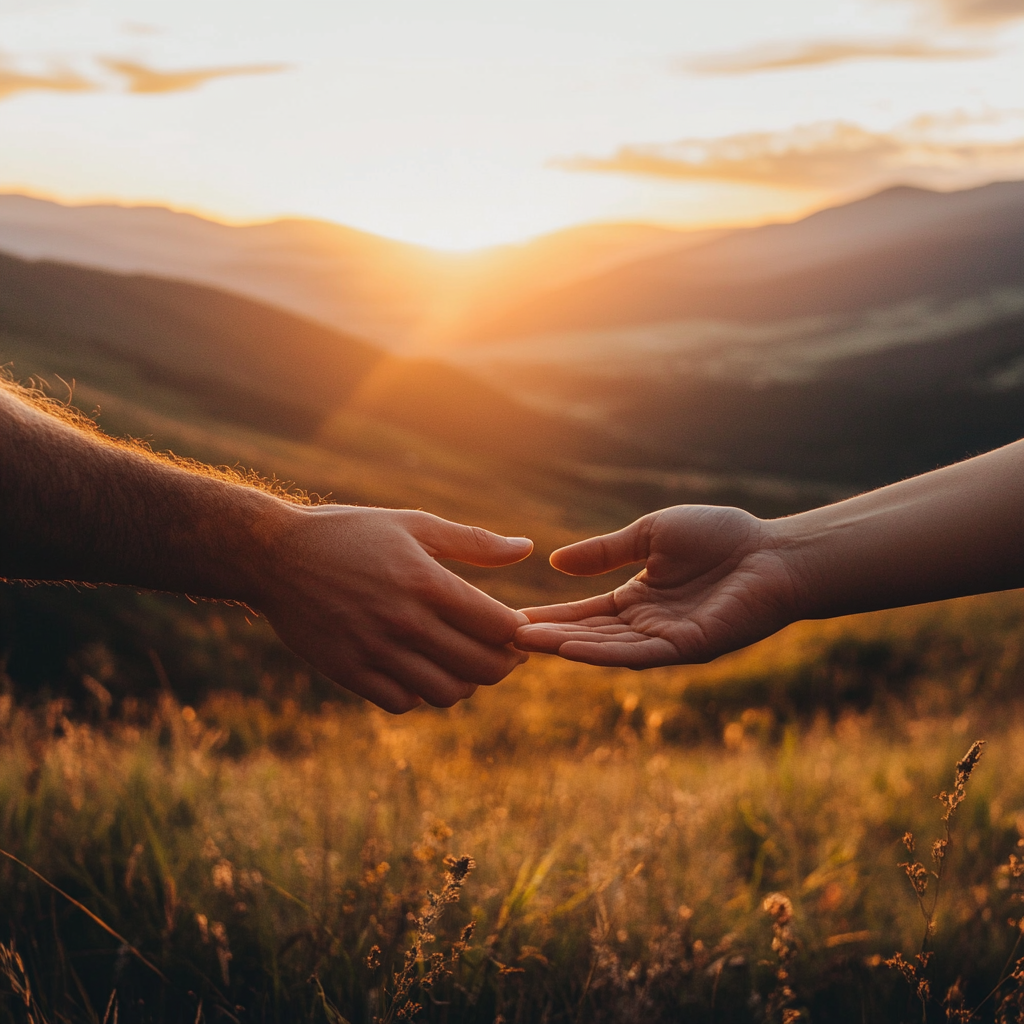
(471, 544)
(602, 554)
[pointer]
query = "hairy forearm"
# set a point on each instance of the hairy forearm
(949, 533)
(75, 506)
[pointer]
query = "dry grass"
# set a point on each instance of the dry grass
(258, 855)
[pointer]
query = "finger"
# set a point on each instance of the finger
(471, 544)
(381, 690)
(549, 637)
(602, 554)
(469, 610)
(466, 657)
(572, 611)
(439, 688)
(651, 652)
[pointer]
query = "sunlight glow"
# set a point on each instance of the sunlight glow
(457, 126)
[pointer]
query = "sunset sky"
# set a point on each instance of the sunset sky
(459, 123)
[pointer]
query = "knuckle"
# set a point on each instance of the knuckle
(480, 537)
(444, 700)
(493, 670)
(451, 694)
(406, 622)
(401, 706)
(378, 649)
(499, 627)
(419, 579)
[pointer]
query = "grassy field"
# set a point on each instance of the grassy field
(196, 828)
(264, 859)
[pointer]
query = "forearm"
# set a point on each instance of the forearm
(952, 532)
(74, 506)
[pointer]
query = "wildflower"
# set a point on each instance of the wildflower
(964, 768)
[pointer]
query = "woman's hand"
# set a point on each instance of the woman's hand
(713, 581)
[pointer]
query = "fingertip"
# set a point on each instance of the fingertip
(521, 546)
(534, 638)
(521, 619)
(403, 706)
(442, 538)
(561, 558)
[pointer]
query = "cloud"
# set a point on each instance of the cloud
(149, 81)
(830, 154)
(56, 80)
(978, 12)
(826, 51)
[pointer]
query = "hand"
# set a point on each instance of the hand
(714, 581)
(357, 593)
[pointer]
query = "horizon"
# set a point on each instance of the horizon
(459, 128)
(214, 217)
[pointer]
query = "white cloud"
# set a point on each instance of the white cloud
(816, 53)
(828, 154)
(56, 79)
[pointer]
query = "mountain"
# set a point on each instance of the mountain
(254, 364)
(893, 246)
(852, 347)
(402, 296)
(859, 345)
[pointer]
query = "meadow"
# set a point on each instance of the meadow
(271, 857)
(195, 827)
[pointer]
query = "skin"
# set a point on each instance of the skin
(717, 579)
(357, 592)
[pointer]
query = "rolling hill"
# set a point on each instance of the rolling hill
(893, 246)
(402, 296)
(859, 345)
(254, 364)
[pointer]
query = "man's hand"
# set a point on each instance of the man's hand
(357, 593)
(713, 581)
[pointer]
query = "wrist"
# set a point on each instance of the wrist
(251, 555)
(794, 542)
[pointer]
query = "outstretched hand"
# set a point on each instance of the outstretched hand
(357, 593)
(713, 581)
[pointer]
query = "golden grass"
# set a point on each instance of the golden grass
(257, 854)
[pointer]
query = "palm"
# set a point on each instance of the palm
(710, 585)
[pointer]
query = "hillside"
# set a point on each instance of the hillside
(893, 246)
(402, 296)
(254, 364)
(860, 345)
(239, 383)
(773, 414)
(852, 347)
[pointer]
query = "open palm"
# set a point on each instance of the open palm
(713, 581)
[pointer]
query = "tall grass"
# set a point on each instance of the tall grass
(683, 845)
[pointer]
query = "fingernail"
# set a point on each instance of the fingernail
(521, 619)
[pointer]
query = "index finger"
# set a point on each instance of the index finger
(471, 611)
(650, 652)
(572, 611)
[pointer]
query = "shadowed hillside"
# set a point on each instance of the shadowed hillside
(857, 346)
(556, 435)
(403, 296)
(253, 364)
(897, 245)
